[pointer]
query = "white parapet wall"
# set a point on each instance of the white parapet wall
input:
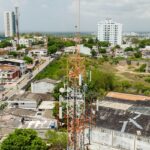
(105, 139)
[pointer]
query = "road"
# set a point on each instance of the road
(25, 79)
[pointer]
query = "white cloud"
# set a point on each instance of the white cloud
(44, 6)
(128, 8)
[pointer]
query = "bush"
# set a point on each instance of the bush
(128, 49)
(57, 140)
(142, 68)
(102, 50)
(147, 79)
(28, 60)
(23, 139)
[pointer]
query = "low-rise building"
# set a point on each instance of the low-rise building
(15, 62)
(38, 52)
(43, 86)
(28, 100)
(120, 53)
(122, 122)
(25, 42)
(9, 74)
(145, 54)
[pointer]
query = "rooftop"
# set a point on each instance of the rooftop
(47, 81)
(8, 68)
(128, 97)
(144, 109)
(123, 121)
(28, 96)
(47, 105)
(13, 60)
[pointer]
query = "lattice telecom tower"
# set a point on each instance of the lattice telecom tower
(78, 118)
(75, 94)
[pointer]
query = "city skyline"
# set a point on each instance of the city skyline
(60, 16)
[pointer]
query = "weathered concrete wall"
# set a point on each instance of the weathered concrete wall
(42, 87)
(104, 139)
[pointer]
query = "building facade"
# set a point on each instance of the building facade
(28, 100)
(15, 62)
(110, 31)
(122, 123)
(43, 86)
(25, 42)
(8, 74)
(9, 23)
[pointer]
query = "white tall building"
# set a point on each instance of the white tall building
(9, 24)
(110, 31)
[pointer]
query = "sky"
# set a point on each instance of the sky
(60, 16)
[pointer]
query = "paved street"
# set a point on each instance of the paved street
(25, 79)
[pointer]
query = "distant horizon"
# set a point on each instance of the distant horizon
(82, 32)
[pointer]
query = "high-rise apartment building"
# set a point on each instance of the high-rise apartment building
(9, 23)
(110, 31)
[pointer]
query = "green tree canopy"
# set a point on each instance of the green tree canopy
(93, 52)
(101, 82)
(23, 139)
(52, 49)
(128, 49)
(103, 44)
(28, 60)
(102, 50)
(5, 43)
(13, 53)
(138, 54)
(57, 140)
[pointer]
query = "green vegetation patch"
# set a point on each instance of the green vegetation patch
(55, 70)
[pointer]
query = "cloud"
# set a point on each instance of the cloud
(134, 14)
(125, 8)
(44, 6)
(19, 2)
(60, 14)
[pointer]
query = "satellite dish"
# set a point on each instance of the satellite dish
(69, 90)
(61, 90)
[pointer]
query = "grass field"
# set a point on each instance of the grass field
(126, 80)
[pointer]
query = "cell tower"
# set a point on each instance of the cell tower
(78, 117)
(17, 24)
(75, 94)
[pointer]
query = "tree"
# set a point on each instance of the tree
(5, 43)
(101, 82)
(91, 41)
(23, 139)
(57, 140)
(102, 50)
(135, 40)
(56, 110)
(52, 49)
(21, 47)
(88, 45)
(93, 52)
(142, 68)
(138, 54)
(117, 47)
(69, 43)
(28, 60)
(103, 44)
(13, 53)
(128, 49)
